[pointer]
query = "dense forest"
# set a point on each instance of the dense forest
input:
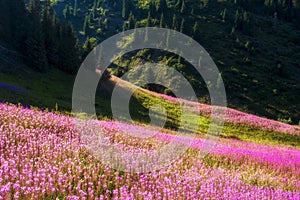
(36, 32)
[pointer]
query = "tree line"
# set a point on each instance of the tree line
(35, 31)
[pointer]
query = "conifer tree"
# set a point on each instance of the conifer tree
(5, 21)
(125, 26)
(205, 3)
(35, 49)
(162, 21)
(246, 23)
(237, 19)
(13, 23)
(149, 23)
(183, 7)
(178, 4)
(168, 38)
(162, 6)
(195, 28)
(75, 8)
(35, 8)
(125, 9)
(224, 12)
(85, 24)
(94, 10)
(152, 8)
(131, 21)
(49, 32)
(174, 22)
(69, 52)
(182, 25)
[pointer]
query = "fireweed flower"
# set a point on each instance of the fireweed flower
(42, 156)
(238, 117)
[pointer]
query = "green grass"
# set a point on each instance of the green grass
(45, 90)
(55, 87)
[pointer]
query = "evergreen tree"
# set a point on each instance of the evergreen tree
(5, 21)
(178, 4)
(94, 9)
(36, 53)
(269, 5)
(162, 6)
(246, 26)
(195, 29)
(35, 49)
(135, 30)
(35, 8)
(289, 10)
(174, 22)
(98, 3)
(125, 26)
(182, 25)
(162, 21)
(205, 3)
(69, 52)
(65, 11)
(179, 58)
(85, 24)
(149, 22)
(236, 18)
(152, 8)
(75, 8)
(125, 8)
(183, 7)
(297, 14)
(224, 12)
(148, 25)
(49, 32)
(13, 23)
(89, 20)
(131, 21)
(193, 11)
(168, 38)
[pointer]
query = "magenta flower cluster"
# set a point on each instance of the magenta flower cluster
(42, 157)
(238, 117)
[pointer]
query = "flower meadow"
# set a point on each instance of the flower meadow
(42, 156)
(238, 117)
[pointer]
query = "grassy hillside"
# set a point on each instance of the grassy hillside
(53, 91)
(257, 56)
(45, 151)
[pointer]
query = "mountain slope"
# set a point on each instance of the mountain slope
(53, 91)
(257, 55)
(37, 145)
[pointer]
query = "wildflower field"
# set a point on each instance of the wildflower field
(42, 157)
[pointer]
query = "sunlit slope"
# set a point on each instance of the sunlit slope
(53, 90)
(237, 125)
